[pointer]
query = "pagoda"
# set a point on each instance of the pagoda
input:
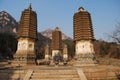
(56, 42)
(83, 38)
(27, 36)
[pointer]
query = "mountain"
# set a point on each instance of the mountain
(7, 23)
(48, 33)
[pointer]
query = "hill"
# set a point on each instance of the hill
(48, 33)
(7, 23)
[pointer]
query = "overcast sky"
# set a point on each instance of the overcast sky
(52, 13)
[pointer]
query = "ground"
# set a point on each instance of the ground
(106, 70)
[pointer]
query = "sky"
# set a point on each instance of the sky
(105, 14)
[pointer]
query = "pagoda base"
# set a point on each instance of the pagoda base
(22, 58)
(55, 52)
(85, 60)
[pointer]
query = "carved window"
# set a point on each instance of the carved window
(30, 45)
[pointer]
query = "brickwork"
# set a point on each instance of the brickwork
(82, 25)
(56, 39)
(28, 24)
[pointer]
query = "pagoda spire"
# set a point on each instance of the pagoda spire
(81, 9)
(30, 6)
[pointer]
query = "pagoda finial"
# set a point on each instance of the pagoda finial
(57, 29)
(30, 6)
(81, 9)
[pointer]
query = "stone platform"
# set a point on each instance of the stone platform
(60, 72)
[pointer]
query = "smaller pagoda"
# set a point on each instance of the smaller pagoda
(56, 42)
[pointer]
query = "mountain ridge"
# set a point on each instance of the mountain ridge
(7, 23)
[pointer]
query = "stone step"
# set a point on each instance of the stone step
(4, 77)
(55, 72)
(58, 79)
(53, 76)
(3, 74)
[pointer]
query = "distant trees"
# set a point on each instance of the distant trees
(115, 35)
(107, 49)
(8, 45)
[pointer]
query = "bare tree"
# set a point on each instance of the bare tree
(115, 35)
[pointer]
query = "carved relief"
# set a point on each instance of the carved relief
(84, 47)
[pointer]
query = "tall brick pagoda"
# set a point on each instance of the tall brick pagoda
(27, 35)
(83, 38)
(56, 42)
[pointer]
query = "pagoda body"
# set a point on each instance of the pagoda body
(56, 42)
(83, 38)
(27, 35)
